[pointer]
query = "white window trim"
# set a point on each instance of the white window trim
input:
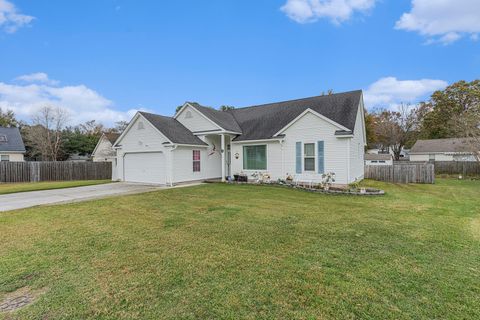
(199, 161)
(315, 152)
(266, 158)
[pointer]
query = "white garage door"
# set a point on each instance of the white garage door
(145, 167)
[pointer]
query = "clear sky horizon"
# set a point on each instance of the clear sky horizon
(104, 59)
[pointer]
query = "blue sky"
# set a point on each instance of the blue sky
(104, 59)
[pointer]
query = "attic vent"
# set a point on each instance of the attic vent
(188, 115)
(140, 126)
(3, 138)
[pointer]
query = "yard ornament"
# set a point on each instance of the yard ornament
(214, 150)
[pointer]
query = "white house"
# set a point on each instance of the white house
(303, 138)
(453, 149)
(378, 159)
(104, 151)
(379, 149)
(11, 145)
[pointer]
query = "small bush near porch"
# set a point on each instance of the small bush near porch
(238, 251)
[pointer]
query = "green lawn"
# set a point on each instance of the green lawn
(250, 252)
(6, 188)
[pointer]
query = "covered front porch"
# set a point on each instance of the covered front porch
(224, 149)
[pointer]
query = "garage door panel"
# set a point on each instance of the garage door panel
(145, 167)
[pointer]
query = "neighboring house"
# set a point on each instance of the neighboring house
(11, 145)
(381, 159)
(104, 151)
(303, 138)
(453, 149)
(76, 157)
(378, 149)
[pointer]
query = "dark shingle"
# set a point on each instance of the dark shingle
(172, 129)
(373, 156)
(112, 137)
(14, 140)
(222, 118)
(263, 121)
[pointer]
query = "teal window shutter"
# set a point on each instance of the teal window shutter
(299, 157)
(321, 156)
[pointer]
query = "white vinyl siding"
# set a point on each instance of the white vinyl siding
(12, 157)
(194, 121)
(310, 129)
(210, 162)
(104, 151)
(357, 148)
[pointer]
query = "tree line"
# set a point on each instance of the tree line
(47, 137)
(450, 113)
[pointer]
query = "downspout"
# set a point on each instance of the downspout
(170, 163)
(348, 160)
(282, 150)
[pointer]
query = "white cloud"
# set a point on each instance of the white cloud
(82, 103)
(443, 21)
(10, 19)
(389, 92)
(337, 11)
(39, 77)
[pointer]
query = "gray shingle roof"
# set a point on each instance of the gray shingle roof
(374, 156)
(263, 121)
(442, 145)
(172, 129)
(112, 137)
(14, 140)
(222, 118)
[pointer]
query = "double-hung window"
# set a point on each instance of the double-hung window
(255, 157)
(4, 158)
(309, 156)
(196, 160)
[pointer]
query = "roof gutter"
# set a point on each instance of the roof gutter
(280, 138)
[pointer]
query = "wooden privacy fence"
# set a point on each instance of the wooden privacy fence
(402, 173)
(54, 171)
(465, 168)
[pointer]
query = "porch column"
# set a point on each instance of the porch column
(222, 150)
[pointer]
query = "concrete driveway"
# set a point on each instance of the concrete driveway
(35, 198)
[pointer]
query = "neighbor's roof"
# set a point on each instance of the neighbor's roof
(382, 156)
(112, 137)
(14, 141)
(172, 129)
(264, 121)
(461, 145)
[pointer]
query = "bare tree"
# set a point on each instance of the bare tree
(394, 129)
(467, 125)
(45, 134)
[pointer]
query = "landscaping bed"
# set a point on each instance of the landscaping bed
(326, 186)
